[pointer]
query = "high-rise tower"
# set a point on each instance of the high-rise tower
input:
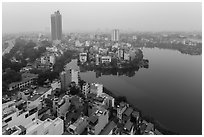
(115, 35)
(56, 26)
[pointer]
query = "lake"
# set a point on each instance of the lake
(170, 90)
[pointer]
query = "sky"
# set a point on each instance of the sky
(87, 17)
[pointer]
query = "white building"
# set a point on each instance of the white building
(108, 100)
(49, 58)
(83, 57)
(106, 59)
(79, 126)
(97, 59)
(72, 69)
(47, 127)
(96, 88)
(56, 84)
(14, 130)
(14, 117)
(85, 89)
(126, 56)
(115, 35)
(37, 97)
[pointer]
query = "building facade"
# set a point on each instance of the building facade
(56, 26)
(115, 35)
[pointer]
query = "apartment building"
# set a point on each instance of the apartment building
(97, 121)
(78, 126)
(47, 127)
(27, 80)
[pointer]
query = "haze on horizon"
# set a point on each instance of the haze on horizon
(89, 16)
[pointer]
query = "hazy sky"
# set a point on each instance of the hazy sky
(21, 17)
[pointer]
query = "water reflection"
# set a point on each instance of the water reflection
(130, 72)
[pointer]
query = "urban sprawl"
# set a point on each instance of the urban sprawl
(50, 98)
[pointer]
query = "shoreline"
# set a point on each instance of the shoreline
(148, 118)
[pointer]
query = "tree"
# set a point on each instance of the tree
(11, 76)
(120, 99)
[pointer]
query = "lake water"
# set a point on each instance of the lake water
(170, 90)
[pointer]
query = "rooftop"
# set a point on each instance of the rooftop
(128, 125)
(128, 111)
(108, 128)
(46, 116)
(135, 113)
(25, 77)
(43, 110)
(79, 121)
(72, 65)
(34, 97)
(150, 126)
(93, 119)
(33, 125)
(11, 130)
(47, 122)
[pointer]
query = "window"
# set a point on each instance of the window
(105, 113)
(26, 115)
(33, 111)
(8, 119)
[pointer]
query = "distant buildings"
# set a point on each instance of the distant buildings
(105, 59)
(48, 59)
(83, 57)
(115, 35)
(56, 26)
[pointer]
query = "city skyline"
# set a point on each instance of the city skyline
(83, 17)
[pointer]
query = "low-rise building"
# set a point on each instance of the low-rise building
(11, 116)
(146, 128)
(47, 127)
(78, 126)
(105, 59)
(135, 117)
(108, 130)
(120, 110)
(97, 121)
(56, 84)
(27, 80)
(108, 100)
(127, 114)
(96, 88)
(128, 128)
(83, 57)
(48, 59)
(14, 130)
(61, 106)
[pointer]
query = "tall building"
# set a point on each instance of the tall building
(115, 35)
(56, 26)
(71, 74)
